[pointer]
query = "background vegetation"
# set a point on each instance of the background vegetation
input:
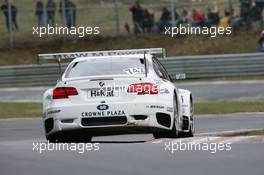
(101, 13)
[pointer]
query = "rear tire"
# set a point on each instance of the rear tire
(159, 135)
(188, 134)
(192, 128)
(174, 133)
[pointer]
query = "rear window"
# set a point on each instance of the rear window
(109, 66)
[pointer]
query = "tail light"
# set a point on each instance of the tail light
(64, 92)
(143, 88)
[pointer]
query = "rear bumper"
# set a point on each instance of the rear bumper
(134, 118)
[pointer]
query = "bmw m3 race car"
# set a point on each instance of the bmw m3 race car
(115, 92)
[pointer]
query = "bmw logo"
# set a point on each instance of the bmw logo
(102, 107)
(101, 83)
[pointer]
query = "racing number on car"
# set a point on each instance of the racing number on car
(134, 70)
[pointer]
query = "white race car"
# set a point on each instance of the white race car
(115, 92)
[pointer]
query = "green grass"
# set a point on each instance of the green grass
(228, 107)
(20, 110)
(27, 109)
(254, 133)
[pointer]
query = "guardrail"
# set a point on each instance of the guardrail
(208, 66)
(213, 66)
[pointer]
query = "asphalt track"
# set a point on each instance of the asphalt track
(135, 154)
(202, 91)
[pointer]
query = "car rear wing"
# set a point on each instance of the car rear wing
(58, 57)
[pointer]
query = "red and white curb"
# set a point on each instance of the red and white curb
(213, 139)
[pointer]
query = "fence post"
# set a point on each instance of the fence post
(72, 16)
(45, 15)
(117, 17)
(173, 13)
(63, 11)
(216, 5)
(10, 25)
(230, 6)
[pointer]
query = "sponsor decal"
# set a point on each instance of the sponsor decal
(182, 98)
(54, 111)
(102, 93)
(170, 109)
(104, 53)
(103, 113)
(102, 107)
(155, 107)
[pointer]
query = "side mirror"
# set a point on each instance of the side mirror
(180, 76)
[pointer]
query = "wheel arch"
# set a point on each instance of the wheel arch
(186, 100)
(46, 99)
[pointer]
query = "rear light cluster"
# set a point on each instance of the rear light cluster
(64, 92)
(143, 89)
